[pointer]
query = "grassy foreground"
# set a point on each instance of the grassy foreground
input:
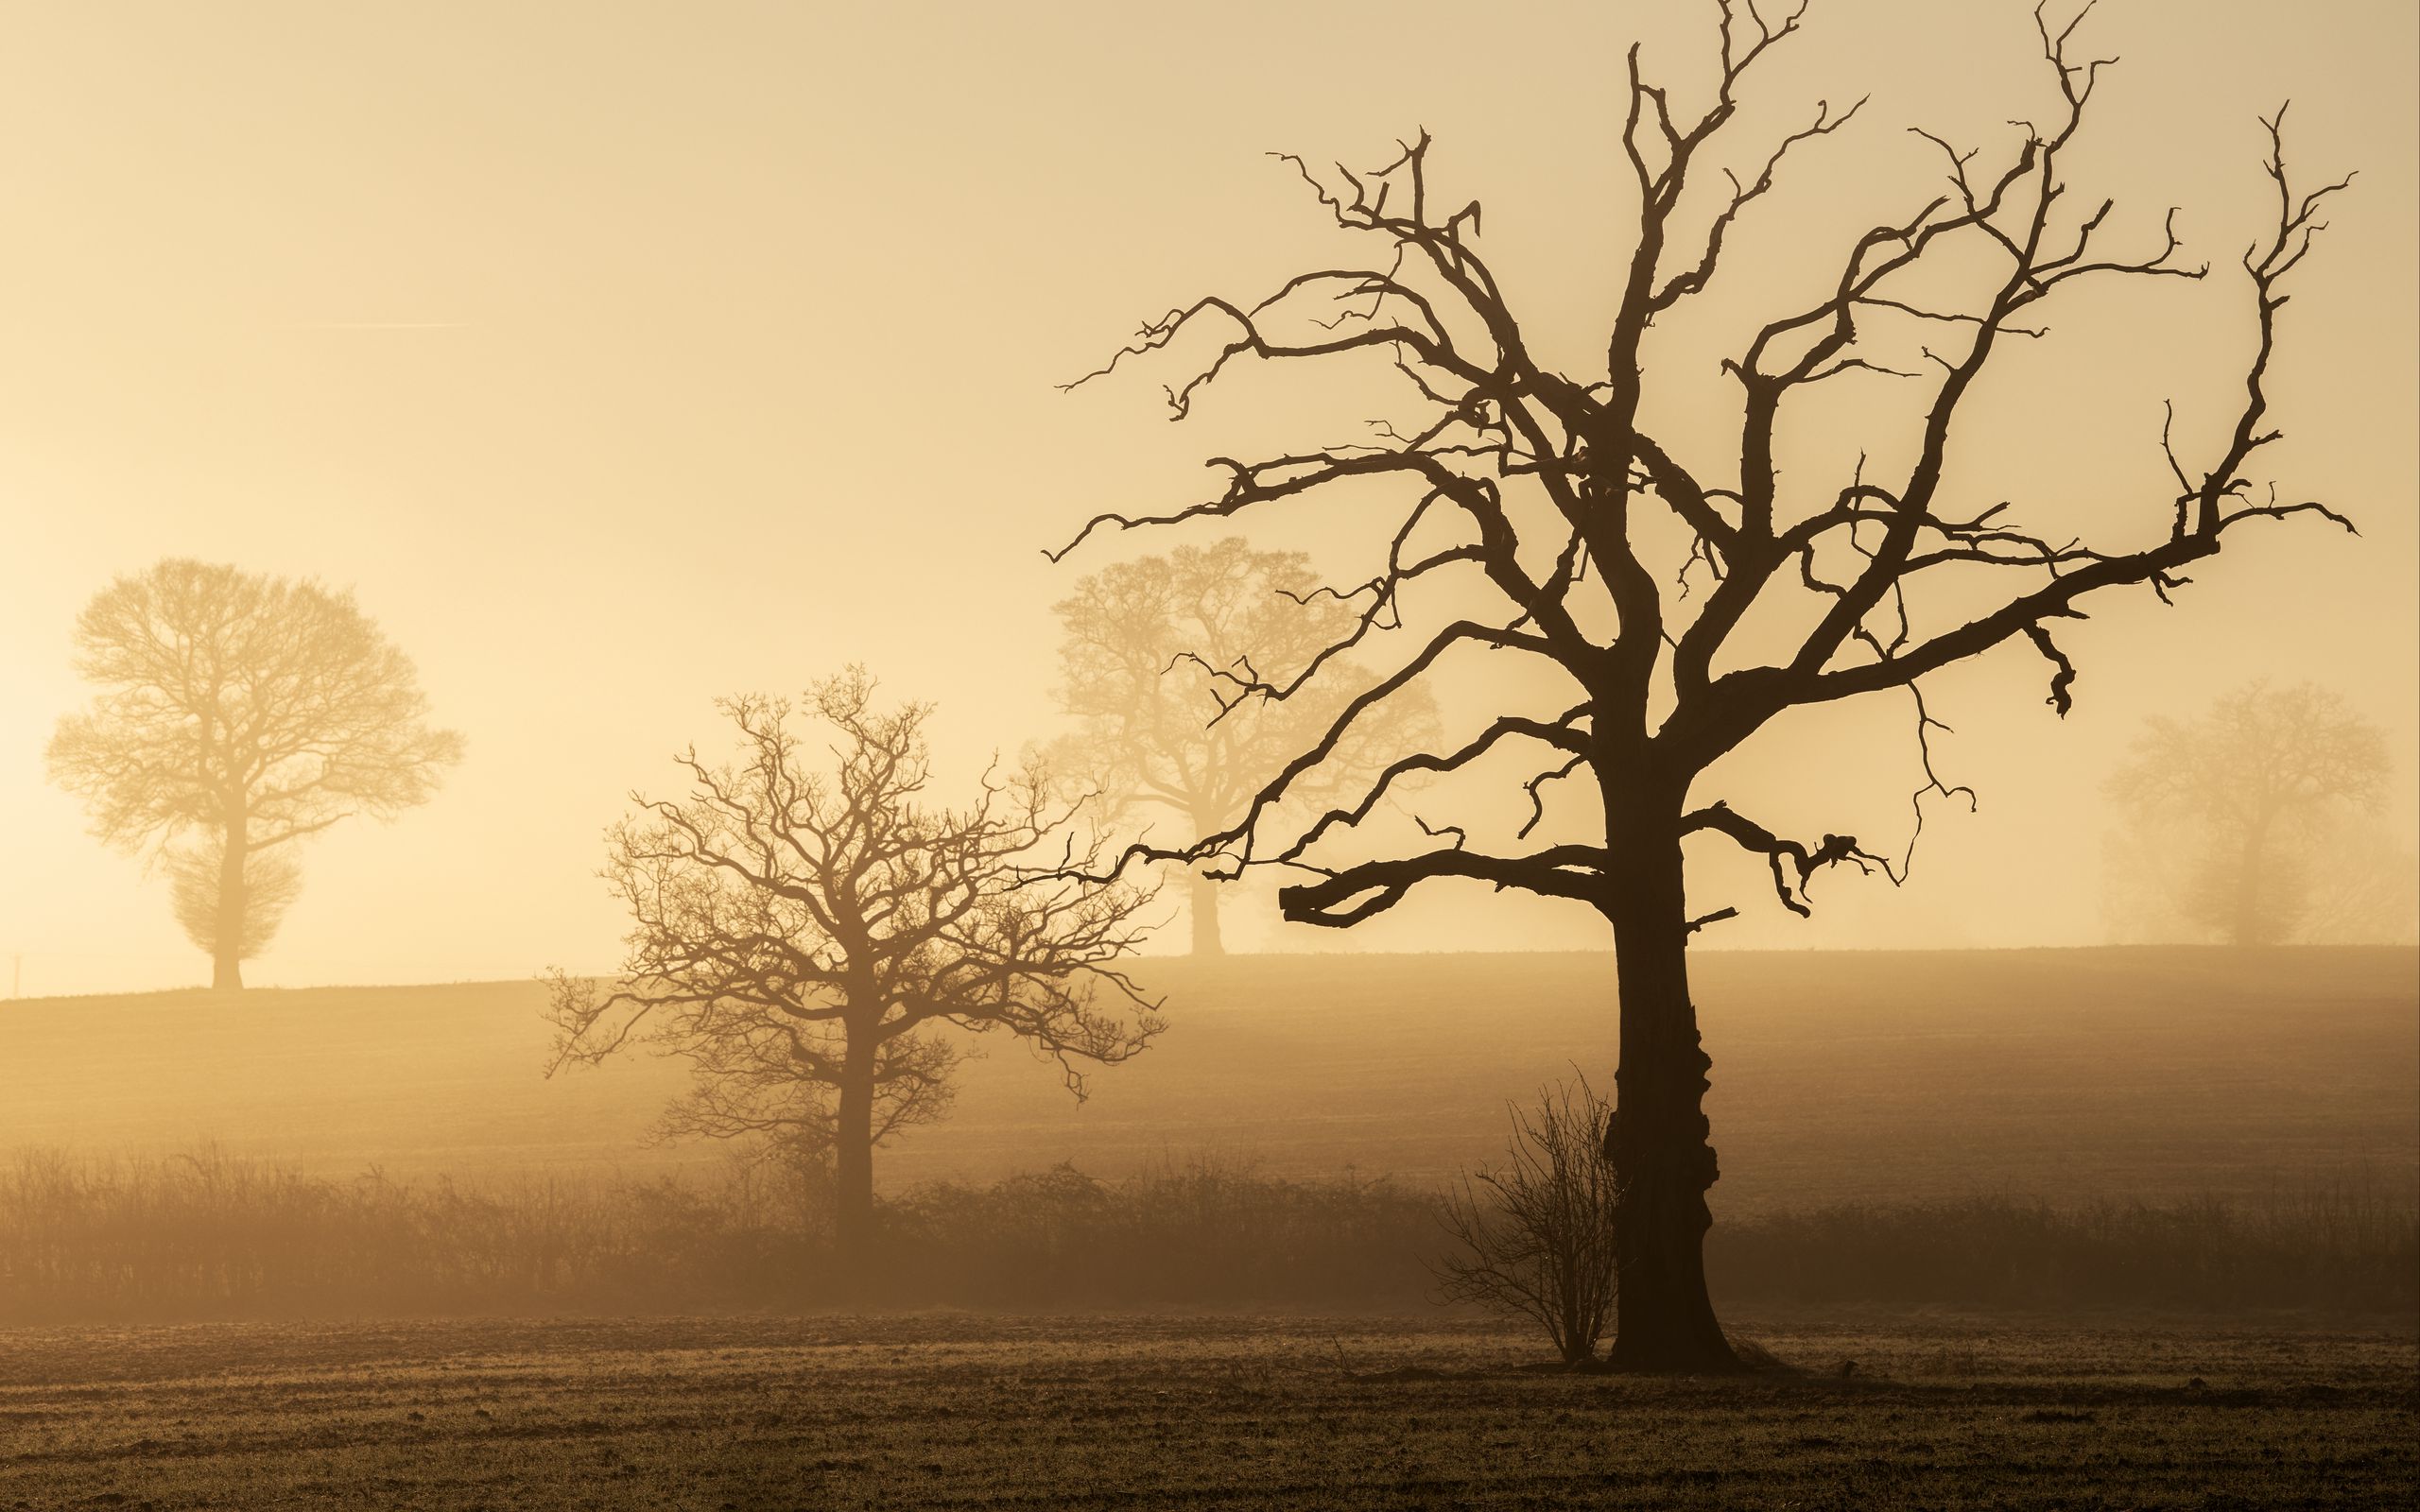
(1090, 1412)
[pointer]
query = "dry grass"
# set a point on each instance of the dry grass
(214, 1237)
(1090, 1412)
(1837, 1077)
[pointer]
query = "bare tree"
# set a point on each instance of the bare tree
(803, 937)
(2241, 816)
(250, 711)
(1534, 1236)
(1683, 603)
(1145, 644)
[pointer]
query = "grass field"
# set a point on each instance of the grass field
(737, 1416)
(1896, 1078)
(1837, 1076)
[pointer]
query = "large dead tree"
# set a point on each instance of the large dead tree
(1680, 596)
(805, 938)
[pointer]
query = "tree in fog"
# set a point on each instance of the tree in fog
(237, 714)
(1145, 645)
(197, 877)
(804, 936)
(2249, 821)
(1568, 528)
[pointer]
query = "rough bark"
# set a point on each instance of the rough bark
(1657, 1138)
(853, 1160)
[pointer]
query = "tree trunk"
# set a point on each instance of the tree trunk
(227, 954)
(1664, 1321)
(2251, 908)
(853, 1163)
(1204, 909)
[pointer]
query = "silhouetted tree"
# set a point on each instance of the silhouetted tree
(1603, 554)
(802, 937)
(2242, 812)
(249, 711)
(1145, 642)
(1534, 1236)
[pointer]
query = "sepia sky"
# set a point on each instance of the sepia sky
(622, 355)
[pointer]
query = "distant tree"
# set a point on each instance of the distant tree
(803, 937)
(247, 711)
(1640, 603)
(1149, 647)
(2243, 818)
(1534, 1236)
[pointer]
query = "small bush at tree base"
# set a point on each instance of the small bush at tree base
(1534, 1236)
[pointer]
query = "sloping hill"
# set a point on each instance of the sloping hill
(1836, 1075)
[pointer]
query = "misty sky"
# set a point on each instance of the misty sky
(620, 356)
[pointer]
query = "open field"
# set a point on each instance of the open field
(1896, 1076)
(1097, 1413)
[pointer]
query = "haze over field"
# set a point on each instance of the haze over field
(2152, 1074)
(1579, 753)
(588, 346)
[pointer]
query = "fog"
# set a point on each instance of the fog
(810, 752)
(618, 360)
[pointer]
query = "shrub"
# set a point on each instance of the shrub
(1534, 1237)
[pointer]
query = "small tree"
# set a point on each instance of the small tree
(802, 938)
(247, 711)
(1148, 648)
(1534, 1236)
(2237, 819)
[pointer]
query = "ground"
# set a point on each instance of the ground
(1209, 1412)
(2073, 1074)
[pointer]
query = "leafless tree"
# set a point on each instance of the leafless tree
(802, 937)
(1145, 644)
(1654, 586)
(247, 710)
(2243, 814)
(1534, 1236)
